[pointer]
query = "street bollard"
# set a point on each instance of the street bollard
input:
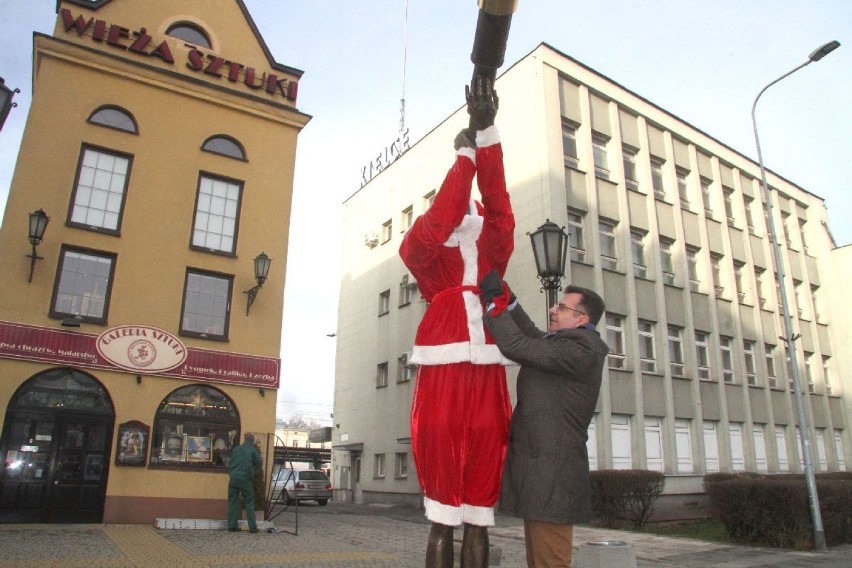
(605, 554)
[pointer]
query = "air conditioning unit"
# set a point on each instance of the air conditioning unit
(371, 239)
(405, 360)
(409, 282)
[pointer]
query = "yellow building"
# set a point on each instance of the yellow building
(160, 143)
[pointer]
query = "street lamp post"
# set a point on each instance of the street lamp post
(550, 248)
(791, 337)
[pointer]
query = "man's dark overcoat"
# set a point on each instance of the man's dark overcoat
(546, 477)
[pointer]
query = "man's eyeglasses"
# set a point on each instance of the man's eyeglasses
(562, 308)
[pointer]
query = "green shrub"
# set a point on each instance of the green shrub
(774, 510)
(625, 494)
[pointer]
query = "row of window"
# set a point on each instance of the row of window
(701, 366)
(84, 277)
(100, 192)
(405, 371)
(682, 175)
(406, 219)
(400, 465)
(717, 269)
(407, 292)
(647, 352)
(83, 288)
(622, 458)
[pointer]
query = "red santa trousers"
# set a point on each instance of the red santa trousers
(459, 431)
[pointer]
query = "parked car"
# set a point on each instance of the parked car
(304, 485)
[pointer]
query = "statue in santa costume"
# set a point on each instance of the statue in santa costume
(461, 409)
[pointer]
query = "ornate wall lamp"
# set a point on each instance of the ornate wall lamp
(6, 103)
(38, 224)
(550, 247)
(261, 271)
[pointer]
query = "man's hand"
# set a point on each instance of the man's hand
(464, 139)
(491, 286)
(482, 102)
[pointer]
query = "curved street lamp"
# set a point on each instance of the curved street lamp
(791, 337)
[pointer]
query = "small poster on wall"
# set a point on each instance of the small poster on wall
(132, 443)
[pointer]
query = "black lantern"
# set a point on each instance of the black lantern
(6, 103)
(261, 272)
(550, 248)
(38, 224)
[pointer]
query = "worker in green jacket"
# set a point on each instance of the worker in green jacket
(244, 460)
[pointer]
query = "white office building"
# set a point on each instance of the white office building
(669, 225)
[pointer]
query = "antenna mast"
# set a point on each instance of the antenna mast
(404, 64)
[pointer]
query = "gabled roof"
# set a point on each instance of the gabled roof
(94, 5)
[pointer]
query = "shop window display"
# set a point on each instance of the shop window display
(195, 426)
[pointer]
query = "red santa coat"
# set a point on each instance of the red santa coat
(449, 249)
(461, 408)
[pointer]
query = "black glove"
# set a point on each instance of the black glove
(465, 139)
(482, 102)
(490, 287)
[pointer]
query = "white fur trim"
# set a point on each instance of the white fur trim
(454, 516)
(467, 152)
(467, 231)
(473, 309)
(487, 137)
(444, 514)
(470, 256)
(458, 353)
(479, 516)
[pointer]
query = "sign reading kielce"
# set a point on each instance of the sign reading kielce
(136, 349)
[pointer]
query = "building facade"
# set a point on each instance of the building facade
(160, 144)
(669, 225)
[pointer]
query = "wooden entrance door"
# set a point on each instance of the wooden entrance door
(55, 450)
(55, 469)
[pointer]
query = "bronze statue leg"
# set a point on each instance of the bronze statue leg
(439, 551)
(474, 552)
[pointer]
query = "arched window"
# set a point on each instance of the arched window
(63, 389)
(190, 33)
(114, 117)
(225, 146)
(195, 426)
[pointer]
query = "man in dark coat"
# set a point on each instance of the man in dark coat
(546, 478)
(243, 461)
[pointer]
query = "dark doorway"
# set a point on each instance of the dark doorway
(55, 448)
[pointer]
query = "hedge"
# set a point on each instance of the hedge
(774, 510)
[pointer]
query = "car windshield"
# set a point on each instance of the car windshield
(312, 476)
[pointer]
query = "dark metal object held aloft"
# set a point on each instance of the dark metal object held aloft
(492, 33)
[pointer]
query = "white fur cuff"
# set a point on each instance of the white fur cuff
(467, 152)
(487, 137)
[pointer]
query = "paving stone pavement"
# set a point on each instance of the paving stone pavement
(344, 535)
